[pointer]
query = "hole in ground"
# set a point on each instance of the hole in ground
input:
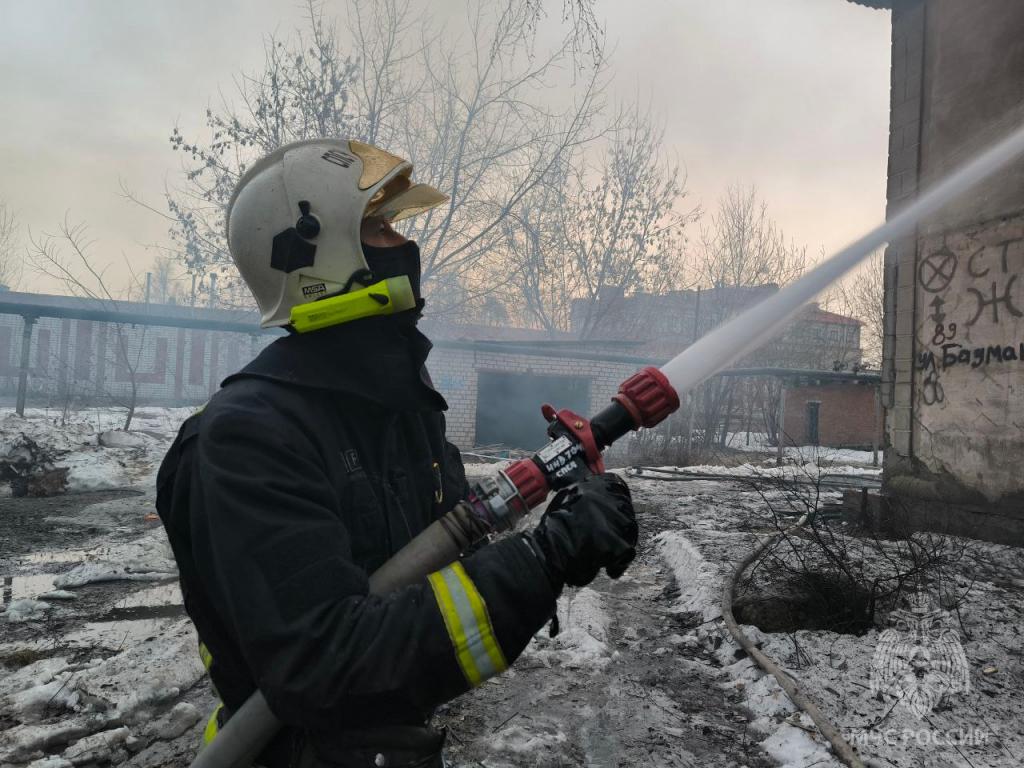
(811, 601)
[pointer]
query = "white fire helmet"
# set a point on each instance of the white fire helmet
(293, 226)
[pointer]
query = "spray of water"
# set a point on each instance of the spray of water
(761, 323)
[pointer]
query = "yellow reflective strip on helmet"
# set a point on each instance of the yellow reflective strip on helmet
(210, 732)
(453, 624)
(382, 298)
(206, 656)
(483, 620)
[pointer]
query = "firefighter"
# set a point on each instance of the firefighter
(324, 456)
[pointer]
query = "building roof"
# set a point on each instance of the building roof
(36, 305)
(438, 328)
(880, 4)
(817, 315)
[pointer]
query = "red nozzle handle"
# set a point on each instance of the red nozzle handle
(529, 481)
(648, 396)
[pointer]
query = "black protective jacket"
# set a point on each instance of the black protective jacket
(305, 472)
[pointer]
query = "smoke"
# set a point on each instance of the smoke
(508, 406)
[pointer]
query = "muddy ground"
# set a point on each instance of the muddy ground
(41, 540)
(654, 699)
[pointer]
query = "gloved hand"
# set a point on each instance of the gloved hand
(587, 527)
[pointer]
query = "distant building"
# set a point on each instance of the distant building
(953, 358)
(665, 324)
(839, 414)
(82, 353)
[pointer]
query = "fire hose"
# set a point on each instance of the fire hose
(842, 748)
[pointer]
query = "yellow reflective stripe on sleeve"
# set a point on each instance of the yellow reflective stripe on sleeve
(468, 624)
(483, 621)
(211, 726)
(205, 656)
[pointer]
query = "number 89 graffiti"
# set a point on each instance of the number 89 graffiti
(944, 333)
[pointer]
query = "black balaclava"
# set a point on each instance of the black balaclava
(395, 260)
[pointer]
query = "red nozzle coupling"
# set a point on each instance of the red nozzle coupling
(648, 397)
(529, 481)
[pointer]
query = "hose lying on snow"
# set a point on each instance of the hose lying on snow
(826, 727)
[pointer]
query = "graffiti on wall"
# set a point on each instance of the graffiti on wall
(989, 297)
(969, 353)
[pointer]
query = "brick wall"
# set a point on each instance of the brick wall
(847, 417)
(455, 366)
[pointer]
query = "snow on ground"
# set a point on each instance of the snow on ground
(91, 445)
(78, 706)
(108, 677)
(805, 470)
(25, 609)
(978, 726)
(642, 671)
(698, 580)
(147, 558)
(757, 442)
(582, 640)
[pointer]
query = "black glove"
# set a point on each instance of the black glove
(587, 527)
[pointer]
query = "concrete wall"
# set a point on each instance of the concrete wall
(847, 415)
(969, 389)
(80, 361)
(905, 103)
(973, 95)
(953, 378)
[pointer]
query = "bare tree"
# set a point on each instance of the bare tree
(588, 35)
(742, 255)
(591, 235)
(743, 246)
(167, 287)
(66, 257)
(862, 295)
(11, 257)
(471, 107)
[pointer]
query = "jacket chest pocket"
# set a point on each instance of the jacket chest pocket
(365, 516)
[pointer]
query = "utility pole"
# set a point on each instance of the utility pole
(782, 422)
(211, 300)
(691, 395)
(149, 284)
(26, 344)
(876, 427)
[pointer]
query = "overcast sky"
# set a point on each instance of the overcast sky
(790, 95)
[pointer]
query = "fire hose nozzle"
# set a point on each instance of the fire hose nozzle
(648, 397)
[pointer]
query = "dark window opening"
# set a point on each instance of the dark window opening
(508, 406)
